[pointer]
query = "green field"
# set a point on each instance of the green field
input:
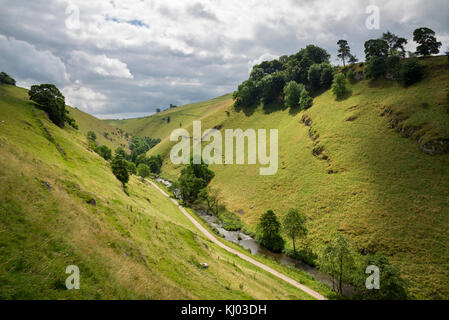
(127, 247)
(371, 182)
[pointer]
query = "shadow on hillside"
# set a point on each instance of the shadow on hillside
(381, 83)
(277, 105)
(347, 95)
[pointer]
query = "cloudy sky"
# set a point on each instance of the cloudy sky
(118, 59)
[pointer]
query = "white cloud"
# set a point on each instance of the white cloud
(101, 65)
(85, 98)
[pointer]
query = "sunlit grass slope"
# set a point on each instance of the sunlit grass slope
(137, 246)
(157, 126)
(106, 134)
(369, 183)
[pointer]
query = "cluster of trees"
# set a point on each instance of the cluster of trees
(193, 181)
(306, 71)
(139, 146)
(291, 78)
(51, 100)
(123, 164)
(269, 229)
(383, 56)
(123, 168)
(6, 79)
(336, 258)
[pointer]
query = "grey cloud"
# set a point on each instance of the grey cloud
(36, 46)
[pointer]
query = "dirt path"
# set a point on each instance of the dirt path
(212, 238)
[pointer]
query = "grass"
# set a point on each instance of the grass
(136, 247)
(374, 186)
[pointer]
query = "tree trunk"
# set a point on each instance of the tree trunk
(341, 276)
(294, 247)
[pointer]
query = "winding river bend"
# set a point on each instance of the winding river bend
(249, 243)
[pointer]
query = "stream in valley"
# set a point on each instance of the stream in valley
(254, 247)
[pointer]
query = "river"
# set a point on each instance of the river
(249, 243)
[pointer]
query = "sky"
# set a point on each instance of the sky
(121, 59)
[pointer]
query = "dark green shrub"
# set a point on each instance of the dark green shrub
(339, 86)
(305, 101)
(375, 68)
(120, 170)
(411, 72)
(6, 79)
(292, 93)
(104, 152)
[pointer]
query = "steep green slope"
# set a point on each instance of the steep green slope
(356, 167)
(106, 134)
(137, 246)
(158, 126)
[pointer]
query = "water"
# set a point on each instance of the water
(254, 247)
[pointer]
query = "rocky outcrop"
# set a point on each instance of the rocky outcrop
(318, 150)
(396, 121)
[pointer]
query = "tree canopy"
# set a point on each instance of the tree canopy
(427, 41)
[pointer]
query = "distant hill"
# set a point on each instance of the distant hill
(373, 167)
(61, 205)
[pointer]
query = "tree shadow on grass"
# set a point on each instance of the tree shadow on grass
(347, 95)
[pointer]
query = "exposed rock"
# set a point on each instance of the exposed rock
(318, 150)
(359, 76)
(204, 265)
(436, 147)
(47, 184)
(306, 120)
(92, 202)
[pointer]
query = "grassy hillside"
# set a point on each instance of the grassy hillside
(106, 134)
(137, 246)
(157, 126)
(356, 167)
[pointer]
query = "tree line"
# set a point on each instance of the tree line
(336, 257)
(123, 164)
(294, 80)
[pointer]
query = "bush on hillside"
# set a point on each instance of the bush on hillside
(132, 169)
(375, 68)
(314, 77)
(104, 152)
(91, 136)
(305, 100)
(327, 76)
(351, 76)
(292, 93)
(393, 64)
(6, 79)
(411, 72)
(119, 168)
(339, 86)
(143, 170)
